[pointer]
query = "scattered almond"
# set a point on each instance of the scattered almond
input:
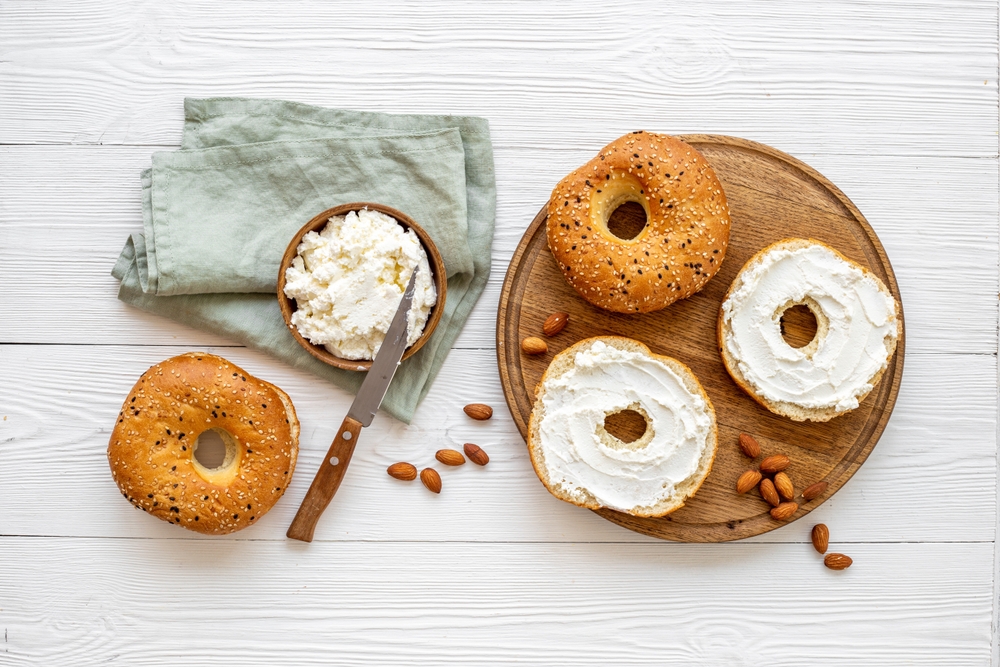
(775, 463)
(821, 537)
(768, 493)
(555, 323)
(476, 454)
(404, 471)
(749, 445)
(814, 490)
(837, 561)
(783, 484)
(532, 345)
(784, 511)
(431, 479)
(747, 481)
(450, 457)
(478, 411)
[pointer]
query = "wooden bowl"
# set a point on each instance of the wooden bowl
(288, 305)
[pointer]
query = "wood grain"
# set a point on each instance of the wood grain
(771, 196)
(941, 439)
(935, 216)
(848, 76)
(895, 101)
(82, 602)
(332, 469)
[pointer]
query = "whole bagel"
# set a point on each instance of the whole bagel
(152, 446)
(676, 253)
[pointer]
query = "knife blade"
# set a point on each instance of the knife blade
(366, 403)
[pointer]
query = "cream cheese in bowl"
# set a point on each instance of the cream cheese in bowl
(348, 278)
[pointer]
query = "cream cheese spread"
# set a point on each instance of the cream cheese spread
(347, 281)
(857, 319)
(580, 455)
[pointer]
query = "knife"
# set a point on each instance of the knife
(366, 403)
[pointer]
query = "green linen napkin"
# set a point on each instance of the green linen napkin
(218, 213)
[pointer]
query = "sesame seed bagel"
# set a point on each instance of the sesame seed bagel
(152, 446)
(676, 253)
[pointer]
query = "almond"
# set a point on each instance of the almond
(450, 457)
(784, 511)
(555, 323)
(814, 490)
(404, 471)
(821, 537)
(747, 481)
(775, 463)
(783, 484)
(431, 479)
(478, 411)
(476, 454)
(768, 493)
(749, 445)
(837, 561)
(534, 345)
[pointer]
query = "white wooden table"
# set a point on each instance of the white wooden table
(895, 101)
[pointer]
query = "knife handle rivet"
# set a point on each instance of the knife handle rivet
(334, 460)
(346, 435)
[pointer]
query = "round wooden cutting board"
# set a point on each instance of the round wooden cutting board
(771, 196)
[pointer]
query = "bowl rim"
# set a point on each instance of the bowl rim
(288, 305)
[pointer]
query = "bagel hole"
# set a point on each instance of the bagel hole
(211, 449)
(627, 221)
(798, 326)
(626, 425)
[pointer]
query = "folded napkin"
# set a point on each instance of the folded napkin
(218, 214)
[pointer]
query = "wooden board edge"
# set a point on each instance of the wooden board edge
(508, 350)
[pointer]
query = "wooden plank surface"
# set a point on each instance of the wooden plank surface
(896, 101)
(60, 403)
(67, 211)
(892, 77)
(142, 602)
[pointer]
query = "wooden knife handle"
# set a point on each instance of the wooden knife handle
(327, 480)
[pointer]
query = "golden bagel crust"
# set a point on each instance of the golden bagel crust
(152, 445)
(674, 256)
(782, 408)
(563, 362)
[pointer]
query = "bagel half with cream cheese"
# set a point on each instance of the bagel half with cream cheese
(858, 324)
(579, 461)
